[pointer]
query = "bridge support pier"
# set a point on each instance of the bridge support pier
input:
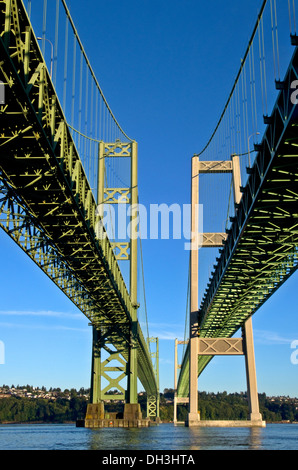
(95, 390)
(96, 415)
(231, 347)
(115, 350)
(177, 400)
(199, 346)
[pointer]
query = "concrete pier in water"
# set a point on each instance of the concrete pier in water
(96, 417)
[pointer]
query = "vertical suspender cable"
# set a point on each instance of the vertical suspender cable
(239, 120)
(294, 17)
(289, 10)
(86, 90)
(264, 68)
(273, 41)
(91, 70)
(65, 66)
(254, 89)
(100, 134)
(44, 27)
(73, 82)
(29, 8)
(80, 101)
(91, 145)
(104, 124)
(97, 137)
(232, 125)
(237, 78)
(261, 70)
(143, 279)
(56, 43)
(251, 95)
(277, 41)
(247, 112)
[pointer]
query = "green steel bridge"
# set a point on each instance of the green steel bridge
(55, 180)
(258, 251)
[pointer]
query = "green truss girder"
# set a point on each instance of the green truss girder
(152, 406)
(47, 206)
(261, 249)
(153, 401)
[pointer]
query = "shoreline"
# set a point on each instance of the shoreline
(9, 423)
(3, 423)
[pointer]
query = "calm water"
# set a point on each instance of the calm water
(162, 437)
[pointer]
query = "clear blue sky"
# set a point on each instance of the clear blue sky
(166, 69)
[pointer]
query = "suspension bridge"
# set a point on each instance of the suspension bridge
(64, 160)
(254, 146)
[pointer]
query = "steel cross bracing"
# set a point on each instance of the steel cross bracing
(261, 249)
(46, 204)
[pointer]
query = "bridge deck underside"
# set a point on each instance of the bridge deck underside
(261, 250)
(47, 206)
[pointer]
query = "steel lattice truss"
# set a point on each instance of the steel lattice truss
(46, 204)
(261, 249)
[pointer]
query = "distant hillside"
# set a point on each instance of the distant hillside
(224, 406)
(16, 406)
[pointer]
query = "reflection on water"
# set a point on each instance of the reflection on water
(169, 437)
(225, 438)
(255, 438)
(162, 437)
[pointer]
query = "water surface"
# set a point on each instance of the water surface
(161, 438)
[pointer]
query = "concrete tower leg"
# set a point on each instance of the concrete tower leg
(193, 416)
(251, 376)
